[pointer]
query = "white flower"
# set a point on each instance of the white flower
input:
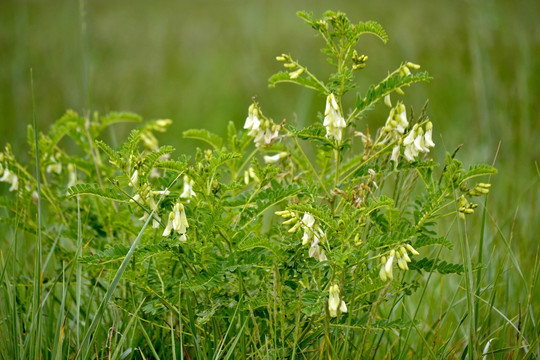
(333, 120)
(410, 153)
(427, 137)
(55, 167)
(135, 178)
(335, 303)
(271, 159)
(388, 101)
(252, 121)
(72, 175)
(420, 143)
(177, 221)
(412, 250)
(409, 139)
(401, 257)
(11, 178)
(270, 136)
(188, 192)
(382, 271)
(388, 265)
(395, 155)
(169, 226)
(401, 118)
(307, 224)
(264, 132)
(316, 252)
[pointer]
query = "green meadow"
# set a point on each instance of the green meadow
(200, 64)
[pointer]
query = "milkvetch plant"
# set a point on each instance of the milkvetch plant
(299, 255)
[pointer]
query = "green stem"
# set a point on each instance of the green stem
(311, 166)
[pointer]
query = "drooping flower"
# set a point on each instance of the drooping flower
(72, 175)
(335, 302)
(388, 265)
(400, 256)
(188, 192)
(307, 224)
(275, 158)
(417, 142)
(55, 166)
(177, 221)
(135, 178)
(333, 120)
(10, 178)
(427, 137)
(264, 132)
(252, 121)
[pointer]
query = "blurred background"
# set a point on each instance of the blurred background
(200, 62)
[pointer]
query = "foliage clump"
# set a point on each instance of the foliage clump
(295, 253)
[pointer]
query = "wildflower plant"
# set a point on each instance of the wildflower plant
(298, 254)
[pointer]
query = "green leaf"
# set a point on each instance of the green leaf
(424, 240)
(204, 280)
(478, 170)
(152, 158)
(95, 190)
(305, 81)
(312, 302)
(429, 265)
(385, 87)
(114, 157)
(258, 242)
(172, 165)
(118, 117)
(370, 27)
(204, 135)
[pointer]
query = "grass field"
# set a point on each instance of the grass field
(199, 64)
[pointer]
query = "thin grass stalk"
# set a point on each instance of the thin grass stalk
(130, 324)
(469, 289)
(89, 338)
(60, 322)
(37, 282)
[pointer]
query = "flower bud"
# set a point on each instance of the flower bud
(297, 73)
(412, 250)
(388, 101)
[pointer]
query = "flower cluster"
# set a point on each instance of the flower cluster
(295, 70)
(418, 141)
(465, 207)
(479, 190)
(395, 127)
(400, 256)
(396, 123)
(146, 197)
(264, 131)
(335, 302)
(312, 232)
(148, 138)
(177, 221)
(249, 174)
(333, 120)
